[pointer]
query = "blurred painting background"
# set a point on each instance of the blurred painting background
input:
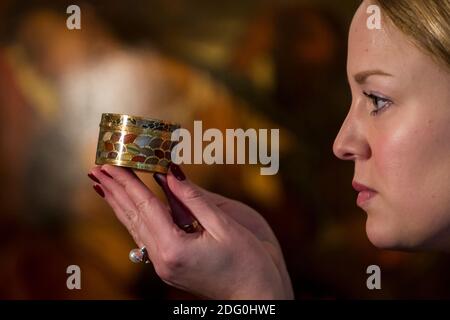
(231, 64)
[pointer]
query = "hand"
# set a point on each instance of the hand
(235, 256)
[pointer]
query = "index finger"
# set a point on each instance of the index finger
(153, 212)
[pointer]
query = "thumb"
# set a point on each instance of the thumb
(211, 217)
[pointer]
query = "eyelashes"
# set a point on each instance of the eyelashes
(379, 103)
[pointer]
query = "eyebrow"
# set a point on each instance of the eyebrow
(361, 77)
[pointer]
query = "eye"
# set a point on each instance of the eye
(379, 103)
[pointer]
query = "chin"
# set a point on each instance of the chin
(391, 237)
(385, 236)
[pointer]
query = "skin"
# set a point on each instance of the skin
(236, 256)
(402, 153)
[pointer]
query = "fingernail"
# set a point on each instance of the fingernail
(106, 173)
(93, 178)
(99, 190)
(177, 172)
(159, 178)
(181, 215)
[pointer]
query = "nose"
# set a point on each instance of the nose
(351, 142)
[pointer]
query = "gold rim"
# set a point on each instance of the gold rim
(120, 116)
(134, 165)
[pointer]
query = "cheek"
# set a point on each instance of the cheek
(411, 170)
(397, 161)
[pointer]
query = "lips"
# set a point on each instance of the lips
(364, 193)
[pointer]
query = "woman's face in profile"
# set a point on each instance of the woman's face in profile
(397, 132)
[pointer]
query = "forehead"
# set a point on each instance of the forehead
(386, 49)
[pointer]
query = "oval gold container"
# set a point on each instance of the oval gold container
(135, 142)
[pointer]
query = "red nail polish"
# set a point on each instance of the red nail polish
(93, 178)
(177, 172)
(159, 178)
(99, 190)
(181, 214)
(106, 173)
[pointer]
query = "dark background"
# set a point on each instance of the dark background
(231, 64)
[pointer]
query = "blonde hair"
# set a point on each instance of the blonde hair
(426, 22)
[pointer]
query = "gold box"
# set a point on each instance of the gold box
(135, 142)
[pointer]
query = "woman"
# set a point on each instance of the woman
(397, 132)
